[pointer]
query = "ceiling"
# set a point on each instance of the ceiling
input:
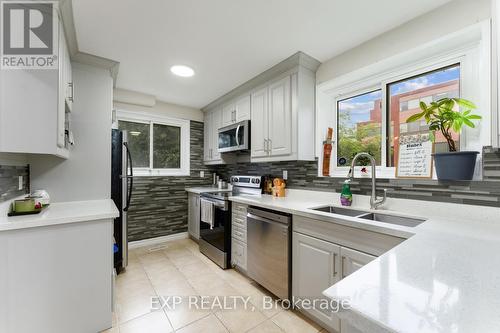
(227, 42)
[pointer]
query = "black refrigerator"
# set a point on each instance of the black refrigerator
(121, 193)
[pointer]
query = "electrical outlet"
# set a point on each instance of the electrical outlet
(21, 183)
(285, 174)
(202, 174)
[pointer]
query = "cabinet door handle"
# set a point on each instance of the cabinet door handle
(335, 264)
(342, 266)
(70, 85)
(270, 145)
(265, 145)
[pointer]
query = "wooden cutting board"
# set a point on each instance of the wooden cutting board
(327, 152)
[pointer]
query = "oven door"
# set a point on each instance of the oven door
(234, 137)
(218, 235)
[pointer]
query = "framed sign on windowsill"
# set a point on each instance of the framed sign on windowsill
(415, 156)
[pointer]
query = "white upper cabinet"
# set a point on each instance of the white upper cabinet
(236, 110)
(280, 118)
(212, 123)
(280, 104)
(34, 108)
(228, 114)
(216, 123)
(259, 126)
(242, 106)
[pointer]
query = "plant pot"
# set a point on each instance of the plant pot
(458, 165)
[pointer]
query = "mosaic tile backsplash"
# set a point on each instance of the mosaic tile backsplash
(9, 181)
(302, 174)
(159, 205)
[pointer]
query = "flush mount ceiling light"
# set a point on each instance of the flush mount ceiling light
(134, 133)
(181, 70)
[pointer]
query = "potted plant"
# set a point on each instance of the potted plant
(441, 116)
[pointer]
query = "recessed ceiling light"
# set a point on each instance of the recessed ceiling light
(181, 70)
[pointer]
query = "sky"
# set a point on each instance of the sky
(359, 106)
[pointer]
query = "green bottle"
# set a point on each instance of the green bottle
(346, 194)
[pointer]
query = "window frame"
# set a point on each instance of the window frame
(469, 49)
(185, 140)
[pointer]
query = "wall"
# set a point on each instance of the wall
(127, 100)
(303, 174)
(9, 181)
(86, 175)
(449, 18)
(160, 204)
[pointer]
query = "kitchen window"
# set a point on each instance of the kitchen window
(159, 146)
(359, 123)
(427, 88)
(368, 106)
(362, 118)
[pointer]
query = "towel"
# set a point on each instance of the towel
(207, 212)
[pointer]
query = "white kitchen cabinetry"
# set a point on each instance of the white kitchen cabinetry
(260, 124)
(212, 123)
(272, 120)
(316, 267)
(276, 112)
(57, 278)
(35, 106)
(323, 253)
(280, 104)
(239, 236)
(353, 260)
(194, 215)
(236, 110)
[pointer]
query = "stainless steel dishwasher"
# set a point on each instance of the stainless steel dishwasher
(269, 252)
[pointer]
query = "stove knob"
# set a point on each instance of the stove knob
(257, 181)
(235, 180)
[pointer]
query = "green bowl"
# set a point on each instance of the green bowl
(23, 206)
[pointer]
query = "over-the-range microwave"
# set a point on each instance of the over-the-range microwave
(234, 137)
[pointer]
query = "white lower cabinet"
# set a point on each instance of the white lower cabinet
(317, 265)
(353, 260)
(239, 254)
(239, 236)
(194, 215)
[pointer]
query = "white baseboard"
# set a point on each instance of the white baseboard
(157, 240)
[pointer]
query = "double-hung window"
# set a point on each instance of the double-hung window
(159, 145)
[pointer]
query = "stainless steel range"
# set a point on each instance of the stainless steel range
(215, 218)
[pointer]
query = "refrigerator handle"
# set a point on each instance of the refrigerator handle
(131, 177)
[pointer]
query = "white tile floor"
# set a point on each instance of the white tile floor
(177, 268)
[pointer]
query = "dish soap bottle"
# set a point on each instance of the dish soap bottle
(346, 194)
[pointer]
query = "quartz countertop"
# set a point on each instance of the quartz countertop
(206, 189)
(59, 213)
(445, 277)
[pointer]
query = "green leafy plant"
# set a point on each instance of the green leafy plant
(440, 116)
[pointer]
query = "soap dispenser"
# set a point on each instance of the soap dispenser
(346, 194)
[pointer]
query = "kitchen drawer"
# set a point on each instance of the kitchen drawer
(239, 254)
(239, 234)
(239, 221)
(370, 242)
(239, 209)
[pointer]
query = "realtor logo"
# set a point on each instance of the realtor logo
(29, 35)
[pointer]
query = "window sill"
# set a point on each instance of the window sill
(381, 173)
(161, 173)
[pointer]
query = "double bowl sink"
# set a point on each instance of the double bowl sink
(378, 217)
